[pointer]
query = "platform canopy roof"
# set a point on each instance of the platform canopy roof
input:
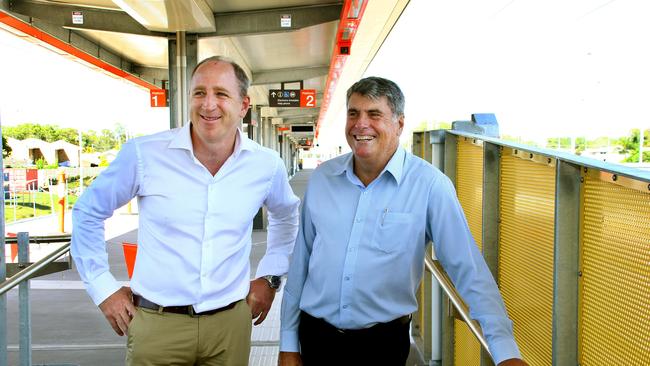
(315, 45)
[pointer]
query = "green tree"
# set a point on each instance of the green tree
(107, 140)
(70, 135)
(120, 134)
(630, 145)
(6, 149)
(564, 142)
(581, 144)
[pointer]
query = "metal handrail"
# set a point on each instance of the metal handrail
(439, 273)
(633, 173)
(44, 239)
(29, 272)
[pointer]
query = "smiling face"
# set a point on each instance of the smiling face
(216, 105)
(372, 131)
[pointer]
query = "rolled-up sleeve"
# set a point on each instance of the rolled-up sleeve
(114, 187)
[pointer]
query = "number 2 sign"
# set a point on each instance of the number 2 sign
(308, 98)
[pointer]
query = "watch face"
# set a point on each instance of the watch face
(274, 281)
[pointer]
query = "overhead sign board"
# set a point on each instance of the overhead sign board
(285, 21)
(77, 17)
(292, 98)
(158, 98)
(308, 98)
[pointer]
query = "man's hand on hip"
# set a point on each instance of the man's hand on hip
(260, 297)
(119, 309)
(289, 359)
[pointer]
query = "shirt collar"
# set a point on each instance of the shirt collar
(395, 165)
(183, 140)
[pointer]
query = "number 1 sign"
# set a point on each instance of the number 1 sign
(158, 98)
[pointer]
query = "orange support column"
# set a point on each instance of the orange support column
(62, 193)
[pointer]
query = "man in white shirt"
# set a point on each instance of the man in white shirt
(198, 188)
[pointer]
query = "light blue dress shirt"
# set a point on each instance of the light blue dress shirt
(358, 258)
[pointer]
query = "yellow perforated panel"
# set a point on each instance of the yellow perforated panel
(526, 237)
(469, 185)
(615, 282)
(467, 350)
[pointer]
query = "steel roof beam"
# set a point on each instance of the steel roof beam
(93, 18)
(227, 24)
(268, 20)
(284, 75)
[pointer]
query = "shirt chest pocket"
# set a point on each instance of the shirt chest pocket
(393, 231)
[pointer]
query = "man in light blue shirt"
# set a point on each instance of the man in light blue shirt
(358, 260)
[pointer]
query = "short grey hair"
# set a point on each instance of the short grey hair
(242, 78)
(375, 87)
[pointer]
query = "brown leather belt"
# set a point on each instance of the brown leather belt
(185, 309)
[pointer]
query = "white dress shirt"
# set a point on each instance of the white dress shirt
(194, 236)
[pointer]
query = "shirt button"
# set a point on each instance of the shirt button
(345, 306)
(358, 220)
(347, 278)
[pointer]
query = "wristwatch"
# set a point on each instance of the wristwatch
(274, 281)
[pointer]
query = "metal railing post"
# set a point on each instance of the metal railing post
(24, 304)
(490, 217)
(3, 297)
(566, 268)
(447, 341)
(436, 149)
(3, 269)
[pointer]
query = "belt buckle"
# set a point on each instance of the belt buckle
(342, 331)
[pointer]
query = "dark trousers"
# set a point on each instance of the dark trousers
(383, 344)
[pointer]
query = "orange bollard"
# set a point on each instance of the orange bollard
(130, 252)
(62, 215)
(62, 193)
(13, 248)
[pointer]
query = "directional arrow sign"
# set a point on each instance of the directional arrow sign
(284, 98)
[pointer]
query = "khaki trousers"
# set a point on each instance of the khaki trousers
(157, 339)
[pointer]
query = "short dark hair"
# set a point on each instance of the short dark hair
(242, 78)
(375, 87)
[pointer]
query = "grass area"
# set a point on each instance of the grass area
(26, 205)
(34, 204)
